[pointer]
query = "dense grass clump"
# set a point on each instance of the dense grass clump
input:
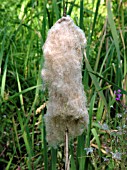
(23, 31)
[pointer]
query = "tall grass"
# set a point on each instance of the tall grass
(23, 29)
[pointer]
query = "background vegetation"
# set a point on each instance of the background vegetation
(23, 28)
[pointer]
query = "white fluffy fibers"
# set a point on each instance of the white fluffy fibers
(62, 74)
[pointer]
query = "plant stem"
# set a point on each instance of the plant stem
(67, 161)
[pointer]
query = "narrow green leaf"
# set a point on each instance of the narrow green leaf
(27, 140)
(113, 84)
(81, 14)
(44, 22)
(72, 160)
(95, 81)
(94, 132)
(45, 153)
(113, 29)
(71, 7)
(2, 48)
(88, 136)
(24, 91)
(92, 102)
(16, 135)
(19, 88)
(81, 152)
(93, 27)
(4, 77)
(9, 163)
(116, 41)
(53, 158)
(56, 9)
(100, 110)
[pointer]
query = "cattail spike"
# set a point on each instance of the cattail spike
(62, 74)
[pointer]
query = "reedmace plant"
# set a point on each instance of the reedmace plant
(66, 107)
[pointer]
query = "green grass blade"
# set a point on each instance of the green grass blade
(45, 153)
(116, 41)
(9, 163)
(95, 16)
(39, 81)
(54, 158)
(81, 14)
(106, 57)
(125, 64)
(92, 102)
(23, 91)
(19, 88)
(113, 29)
(56, 9)
(100, 110)
(93, 27)
(37, 161)
(16, 135)
(94, 132)
(4, 77)
(100, 47)
(81, 152)
(113, 84)
(27, 140)
(95, 81)
(72, 160)
(88, 136)
(44, 22)
(71, 7)
(2, 48)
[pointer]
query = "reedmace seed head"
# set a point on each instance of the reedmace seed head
(62, 74)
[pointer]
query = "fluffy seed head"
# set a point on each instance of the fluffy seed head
(62, 74)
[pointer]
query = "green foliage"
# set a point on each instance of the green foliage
(23, 29)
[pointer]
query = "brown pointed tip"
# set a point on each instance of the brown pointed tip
(64, 12)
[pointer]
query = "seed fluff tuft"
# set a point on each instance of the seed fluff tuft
(62, 75)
